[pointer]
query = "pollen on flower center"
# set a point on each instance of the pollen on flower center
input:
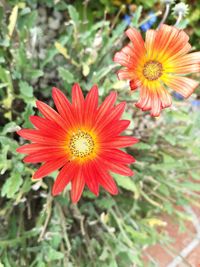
(81, 144)
(152, 70)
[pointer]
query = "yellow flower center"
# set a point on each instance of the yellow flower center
(152, 70)
(81, 144)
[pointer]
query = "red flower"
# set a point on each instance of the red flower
(82, 139)
(157, 64)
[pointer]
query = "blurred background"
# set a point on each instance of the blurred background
(156, 215)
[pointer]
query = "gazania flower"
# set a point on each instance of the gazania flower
(158, 64)
(81, 139)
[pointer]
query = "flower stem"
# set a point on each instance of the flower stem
(180, 16)
(158, 13)
(167, 9)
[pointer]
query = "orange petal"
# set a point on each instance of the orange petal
(165, 97)
(137, 40)
(184, 69)
(149, 43)
(170, 41)
(123, 59)
(126, 74)
(189, 59)
(155, 104)
(183, 85)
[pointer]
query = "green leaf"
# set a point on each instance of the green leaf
(12, 21)
(137, 16)
(142, 146)
(128, 184)
(25, 89)
(34, 74)
(73, 14)
(54, 255)
(66, 75)
(26, 114)
(10, 127)
(12, 185)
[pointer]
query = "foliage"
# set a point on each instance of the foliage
(52, 43)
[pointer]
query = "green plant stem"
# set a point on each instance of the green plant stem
(49, 212)
(158, 13)
(63, 225)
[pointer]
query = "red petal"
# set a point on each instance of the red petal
(108, 183)
(90, 175)
(114, 115)
(63, 106)
(37, 136)
(77, 102)
(115, 130)
(91, 105)
(51, 114)
(45, 155)
(117, 156)
(134, 84)
(105, 179)
(78, 184)
(64, 177)
(48, 128)
(115, 167)
(32, 148)
(121, 141)
(106, 106)
(49, 167)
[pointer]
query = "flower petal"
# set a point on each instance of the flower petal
(116, 167)
(183, 85)
(32, 148)
(45, 155)
(91, 105)
(38, 137)
(137, 40)
(51, 114)
(111, 117)
(66, 174)
(105, 180)
(121, 141)
(78, 184)
(90, 175)
(116, 129)
(49, 167)
(77, 102)
(48, 128)
(63, 106)
(126, 74)
(149, 43)
(117, 156)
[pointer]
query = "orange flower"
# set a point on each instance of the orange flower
(82, 139)
(157, 64)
